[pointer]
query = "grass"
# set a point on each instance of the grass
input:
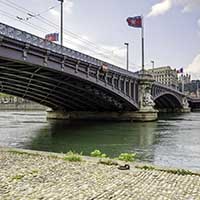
(172, 171)
(128, 157)
(73, 157)
(97, 153)
(108, 161)
(18, 177)
(34, 171)
(76, 157)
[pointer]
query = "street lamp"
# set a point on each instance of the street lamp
(127, 55)
(152, 62)
(61, 22)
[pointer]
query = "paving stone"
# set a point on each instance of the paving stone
(24, 177)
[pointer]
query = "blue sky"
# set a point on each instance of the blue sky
(172, 29)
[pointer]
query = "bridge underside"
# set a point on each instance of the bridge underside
(167, 102)
(57, 89)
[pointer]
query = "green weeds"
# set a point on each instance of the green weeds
(107, 161)
(128, 157)
(18, 177)
(172, 171)
(73, 157)
(97, 153)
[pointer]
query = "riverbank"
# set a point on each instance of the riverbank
(30, 106)
(26, 174)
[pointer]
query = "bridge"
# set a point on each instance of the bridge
(77, 86)
(194, 103)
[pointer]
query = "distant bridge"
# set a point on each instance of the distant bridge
(194, 103)
(69, 81)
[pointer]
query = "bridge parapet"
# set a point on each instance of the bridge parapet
(28, 38)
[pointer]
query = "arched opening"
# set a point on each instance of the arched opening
(167, 102)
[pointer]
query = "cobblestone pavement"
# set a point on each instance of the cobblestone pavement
(42, 177)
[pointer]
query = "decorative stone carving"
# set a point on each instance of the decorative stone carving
(148, 100)
(185, 103)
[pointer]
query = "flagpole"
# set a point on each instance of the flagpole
(142, 35)
(61, 22)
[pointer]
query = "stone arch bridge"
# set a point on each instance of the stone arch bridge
(75, 85)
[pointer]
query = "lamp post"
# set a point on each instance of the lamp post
(61, 22)
(183, 86)
(127, 55)
(152, 62)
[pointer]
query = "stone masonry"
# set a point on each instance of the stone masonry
(44, 176)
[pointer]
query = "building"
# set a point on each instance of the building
(186, 79)
(165, 75)
(184, 83)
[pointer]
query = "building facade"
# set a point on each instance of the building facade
(165, 75)
(186, 79)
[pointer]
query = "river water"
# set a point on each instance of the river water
(173, 140)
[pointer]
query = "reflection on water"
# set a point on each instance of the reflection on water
(111, 138)
(171, 141)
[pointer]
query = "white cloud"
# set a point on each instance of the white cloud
(194, 67)
(188, 5)
(166, 5)
(68, 6)
(54, 13)
(198, 22)
(160, 8)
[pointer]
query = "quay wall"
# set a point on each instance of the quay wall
(16, 103)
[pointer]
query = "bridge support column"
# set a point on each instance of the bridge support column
(145, 99)
(185, 108)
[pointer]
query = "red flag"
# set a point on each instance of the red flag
(135, 21)
(52, 37)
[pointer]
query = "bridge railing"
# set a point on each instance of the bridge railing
(16, 34)
(167, 88)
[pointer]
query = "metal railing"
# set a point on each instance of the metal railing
(29, 38)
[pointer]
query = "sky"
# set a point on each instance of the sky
(99, 28)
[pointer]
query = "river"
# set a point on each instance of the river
(173, 140)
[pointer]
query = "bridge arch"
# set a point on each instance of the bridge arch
(61, 90)
(167, 100)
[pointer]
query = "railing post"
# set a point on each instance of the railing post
(130, 88)
(119, 83)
